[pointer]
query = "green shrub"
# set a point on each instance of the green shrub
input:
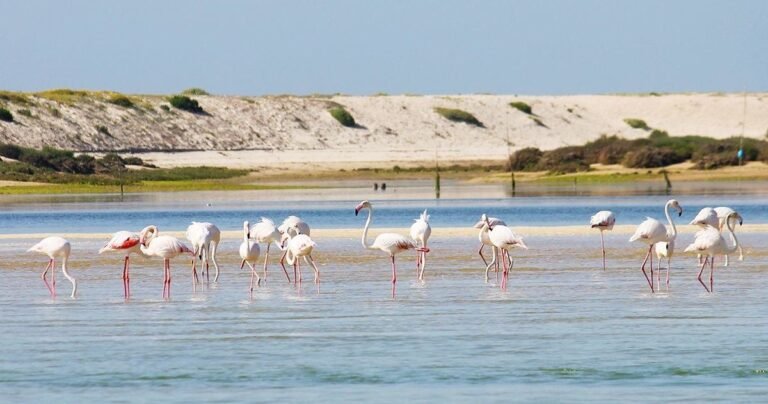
(121, 101)
(10, 151)
(185, 103)
(637, 123)
(25, 112)
(344, 117)
(651, 157)
(165, 108)
(195, 91)
(6, 115)
(63, 95)
(522, 107)
(609, 149)
(103, 130)
(17, 98)
(568, 159)
(457, 115)
(526, 159)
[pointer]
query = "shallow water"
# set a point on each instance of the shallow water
(564, 331)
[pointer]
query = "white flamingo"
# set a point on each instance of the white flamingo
(503, 238)
(249, 253)
(651, 231)
(291, 226)
(603, 220)
(55, 247)
(205, 238)
(722, 213)
(420, 232)
(710, 242)
(165, 247)
(127, 243)
(705, 217)
(266, 232)
(300, 246)
(390, 243)
(485, 241)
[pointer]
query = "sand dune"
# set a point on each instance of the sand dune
(272, 131)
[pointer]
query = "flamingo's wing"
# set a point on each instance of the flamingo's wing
(122, 240)
(604, 218)
(492, 221)
(705, 240)
(392, 242)
(706, 216)
(650, 229)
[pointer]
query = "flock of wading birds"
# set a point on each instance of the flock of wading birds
(293, 240)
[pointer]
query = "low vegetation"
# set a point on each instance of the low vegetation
(121, 100)
(457, 115)
(194, 91)
(637, 123)
(185, 103)
(57, 166)
(522, 107)
(5, 115)
(16, 98)
(64, 95)
(343, 116)
(657, 150)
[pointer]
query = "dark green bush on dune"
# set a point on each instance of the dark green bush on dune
(343, 116)
(457, 115)
(185, 103)
(6, 115)
(524, 159)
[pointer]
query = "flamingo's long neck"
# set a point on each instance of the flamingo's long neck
(735, 240)
(365, 229)
(71, 279)
(673, 233)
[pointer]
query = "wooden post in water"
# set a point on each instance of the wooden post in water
(666, 179)
(513, 183)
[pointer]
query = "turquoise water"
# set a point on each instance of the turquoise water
(564, 331)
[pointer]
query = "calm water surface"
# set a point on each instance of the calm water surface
(564, 331)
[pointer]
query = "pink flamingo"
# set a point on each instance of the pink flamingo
(485, 241)
(165, 247)
(291, 226)
(603, 220)
(249, 253)
(128, 243)
(300, 246)
(266, 232)
(55, 247)
(420, 232)
(710, 242)
(390, 243)
(205, 238)
(651, 231)
(724, 212)
(504, 239)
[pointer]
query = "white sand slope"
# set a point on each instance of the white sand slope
(274, 131)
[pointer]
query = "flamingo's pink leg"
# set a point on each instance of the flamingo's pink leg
(207, 277)
(602, 245)
(45, 280)
(317, 271)
(712, 274)
(642, 268)
(669, 262)
(195, 279)
(504, 264)
(394, 270)
(511, 264)
(480, 251)
(702, 271)
(266, 257)
(286, 271)
(53, 276)
(297, 268)
(125, 277)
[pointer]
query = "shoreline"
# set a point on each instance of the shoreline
(525, 231)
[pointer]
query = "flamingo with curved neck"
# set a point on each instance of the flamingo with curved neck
(651, 231)
(709, 242)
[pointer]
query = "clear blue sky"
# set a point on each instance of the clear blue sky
(364, 47)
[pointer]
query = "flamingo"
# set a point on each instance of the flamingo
(266, 232)
(165, 247)
(249, 253)
(710, 242)
(128, 243)
(205, 238)
(651, 231)
(390, 243)
(722, 213)
(483, 237)
(55, 247)
(291, 226)
(705, 217)
(603, 220)
(504, 239)
(420, 232)
(300, 246)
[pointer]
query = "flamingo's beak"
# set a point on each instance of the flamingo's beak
(522, 245)
(142, 239)
(680, 212)
(741, 221)
(357, 210)
(248, 235)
